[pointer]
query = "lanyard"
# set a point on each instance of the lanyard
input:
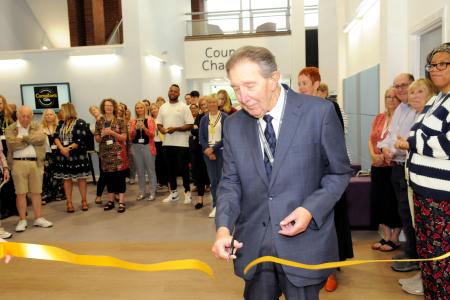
(435, 105)
(263, 137)
(212, 125)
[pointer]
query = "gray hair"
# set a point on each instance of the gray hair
(259, 55)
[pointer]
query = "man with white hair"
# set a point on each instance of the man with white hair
(26, 144)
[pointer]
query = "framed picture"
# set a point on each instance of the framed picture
(40, 96)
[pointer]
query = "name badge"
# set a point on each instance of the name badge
(109, 142)
(66, 143)
(2, 137)
(141, 141)
(53, 147)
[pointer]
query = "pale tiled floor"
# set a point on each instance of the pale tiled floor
(152, 232)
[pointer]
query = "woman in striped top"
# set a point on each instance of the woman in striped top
(429, 177)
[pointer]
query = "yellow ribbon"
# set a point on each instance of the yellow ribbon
(45, 252)
(332, 265)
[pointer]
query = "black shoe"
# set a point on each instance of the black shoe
(109, 205)
(121, 208)
(405, 266)
(198, 205)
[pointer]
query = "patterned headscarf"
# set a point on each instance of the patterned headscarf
(445, 47)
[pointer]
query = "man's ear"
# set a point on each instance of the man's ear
(275, 79)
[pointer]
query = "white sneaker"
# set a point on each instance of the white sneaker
(173, 196)
(212, 214)
(21, 226)
(414, 288)
(151, 197)
(41, 222)
(140, 197)
(132, 181)
(187, 198)
(5, 235)
(403, 281)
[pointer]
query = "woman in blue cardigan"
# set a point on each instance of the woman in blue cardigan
(210, 134)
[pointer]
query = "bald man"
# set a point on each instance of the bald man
(26, 144)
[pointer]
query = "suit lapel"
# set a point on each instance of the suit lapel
(288, 128)
(255, 148)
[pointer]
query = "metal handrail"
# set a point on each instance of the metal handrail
(193, 25)
(115, 33)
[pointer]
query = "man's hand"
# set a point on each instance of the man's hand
(208, 151)
(296, 222)
(171, 130)
(7, 257)
(222, 245)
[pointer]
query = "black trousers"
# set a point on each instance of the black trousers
(160, 164)
(401, 192)
(270, 281)
(383, 198)
(177, 160)
(115, 181)
(101, 179)
(199, 170)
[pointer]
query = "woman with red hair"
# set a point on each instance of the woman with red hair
(308, 83)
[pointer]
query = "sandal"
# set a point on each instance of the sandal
(392, 246)
(84, 206)
(109, 205)
(378, 244)
(70, 208)
(121, 208)
(198, 205)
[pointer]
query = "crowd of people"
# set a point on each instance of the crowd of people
(408, 143)
(410, 173)
(158, 142)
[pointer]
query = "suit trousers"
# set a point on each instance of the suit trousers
(270, 281)
(401, 192)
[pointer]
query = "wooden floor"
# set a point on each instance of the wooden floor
(150, 233)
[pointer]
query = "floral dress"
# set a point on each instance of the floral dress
(113, 153)
(76, 166)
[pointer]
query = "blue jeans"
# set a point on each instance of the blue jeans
(146, 164)
(214, 168)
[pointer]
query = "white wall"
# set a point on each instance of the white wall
(328, 43)
(53, 17)
(126, 79)
(363, 42)
(18, 27)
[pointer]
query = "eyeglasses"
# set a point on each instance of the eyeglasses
(390, 97)
(439, 66)
(401, 86)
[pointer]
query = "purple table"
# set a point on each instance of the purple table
(358, 202)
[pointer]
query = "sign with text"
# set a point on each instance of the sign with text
(46, 97)
(207, 58)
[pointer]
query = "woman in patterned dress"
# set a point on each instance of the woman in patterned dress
(111, 134)
(52, 189)
(72, 162)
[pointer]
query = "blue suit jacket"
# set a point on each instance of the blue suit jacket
(311, 169)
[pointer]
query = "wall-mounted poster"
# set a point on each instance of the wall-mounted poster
(45, 95)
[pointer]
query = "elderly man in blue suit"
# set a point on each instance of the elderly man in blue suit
(285, 167)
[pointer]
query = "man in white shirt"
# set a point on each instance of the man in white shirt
(402, 121)
(175, 121)
(26, 145)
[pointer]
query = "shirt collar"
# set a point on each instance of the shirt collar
(278, 108)
(19, 126)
